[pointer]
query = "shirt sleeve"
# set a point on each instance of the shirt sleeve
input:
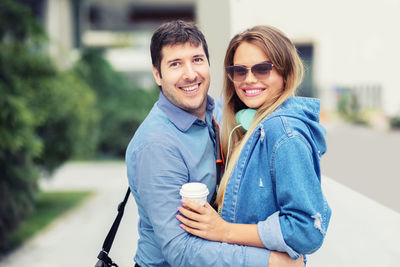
(160, 173)
(300, 225)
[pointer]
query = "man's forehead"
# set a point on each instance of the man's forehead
(174, 50)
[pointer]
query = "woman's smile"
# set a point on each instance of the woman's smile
(252, 91)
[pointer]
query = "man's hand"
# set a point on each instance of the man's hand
(280, 259)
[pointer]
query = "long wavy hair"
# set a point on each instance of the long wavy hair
(283, 54)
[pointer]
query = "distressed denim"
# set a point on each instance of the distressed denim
(171, 148)
(276, 182)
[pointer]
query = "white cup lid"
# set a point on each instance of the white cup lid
(194, 190)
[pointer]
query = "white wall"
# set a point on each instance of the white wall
(355, 42)
(59, 28)
(214, 20)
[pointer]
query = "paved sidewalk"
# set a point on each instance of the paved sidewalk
(76, 238)
(362, 232)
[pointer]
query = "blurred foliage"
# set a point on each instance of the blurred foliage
(18, 24)
(66, 106)
(395, 122)
(45, 115)
(48, 116)
(122, 107)
(349, 108)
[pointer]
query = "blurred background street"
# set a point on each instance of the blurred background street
(366, 160)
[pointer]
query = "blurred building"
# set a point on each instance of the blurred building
(61, 20)
(349, 47)
(125, 27)
(122, 27)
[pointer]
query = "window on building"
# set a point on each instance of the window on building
(307, 88)
(139, 14)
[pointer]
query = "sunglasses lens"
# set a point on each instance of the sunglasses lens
(261, 71)
(237, 73)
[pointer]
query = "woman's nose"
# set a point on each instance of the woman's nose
(250, 78)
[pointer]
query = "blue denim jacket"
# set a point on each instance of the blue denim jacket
(276, 182)
(170, 148)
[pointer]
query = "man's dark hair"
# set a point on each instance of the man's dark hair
(175, 32)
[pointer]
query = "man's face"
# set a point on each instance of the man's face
(185, 77)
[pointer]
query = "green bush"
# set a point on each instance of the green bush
(46, 116)
(395, 122)
(349, 108)
(70, 117)
(122, 107)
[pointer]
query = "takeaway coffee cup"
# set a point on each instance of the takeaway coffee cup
(195, 192)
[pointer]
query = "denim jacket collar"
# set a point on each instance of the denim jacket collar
(180, 118)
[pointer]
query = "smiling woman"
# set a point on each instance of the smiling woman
(270, 195)
(256, 89)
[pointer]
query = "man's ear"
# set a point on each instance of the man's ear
(156, 75)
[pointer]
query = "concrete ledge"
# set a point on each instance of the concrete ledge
(362, 232)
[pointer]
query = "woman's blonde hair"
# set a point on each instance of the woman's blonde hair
(283, 54)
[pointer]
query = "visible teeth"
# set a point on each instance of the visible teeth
(253, 91)
(191, 88)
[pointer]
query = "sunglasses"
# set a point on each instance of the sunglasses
(238, 73)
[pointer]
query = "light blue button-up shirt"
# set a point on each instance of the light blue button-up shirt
(171, 148)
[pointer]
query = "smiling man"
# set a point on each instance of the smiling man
(184, 77)
(174, 145)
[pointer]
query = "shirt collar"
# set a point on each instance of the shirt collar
(180, 118)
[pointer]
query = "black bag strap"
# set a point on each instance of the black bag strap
(219, 160)
(103, 255)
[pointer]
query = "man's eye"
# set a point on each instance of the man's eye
(174, 64)
(198, 60)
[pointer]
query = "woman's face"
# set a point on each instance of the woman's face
(251, 91)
